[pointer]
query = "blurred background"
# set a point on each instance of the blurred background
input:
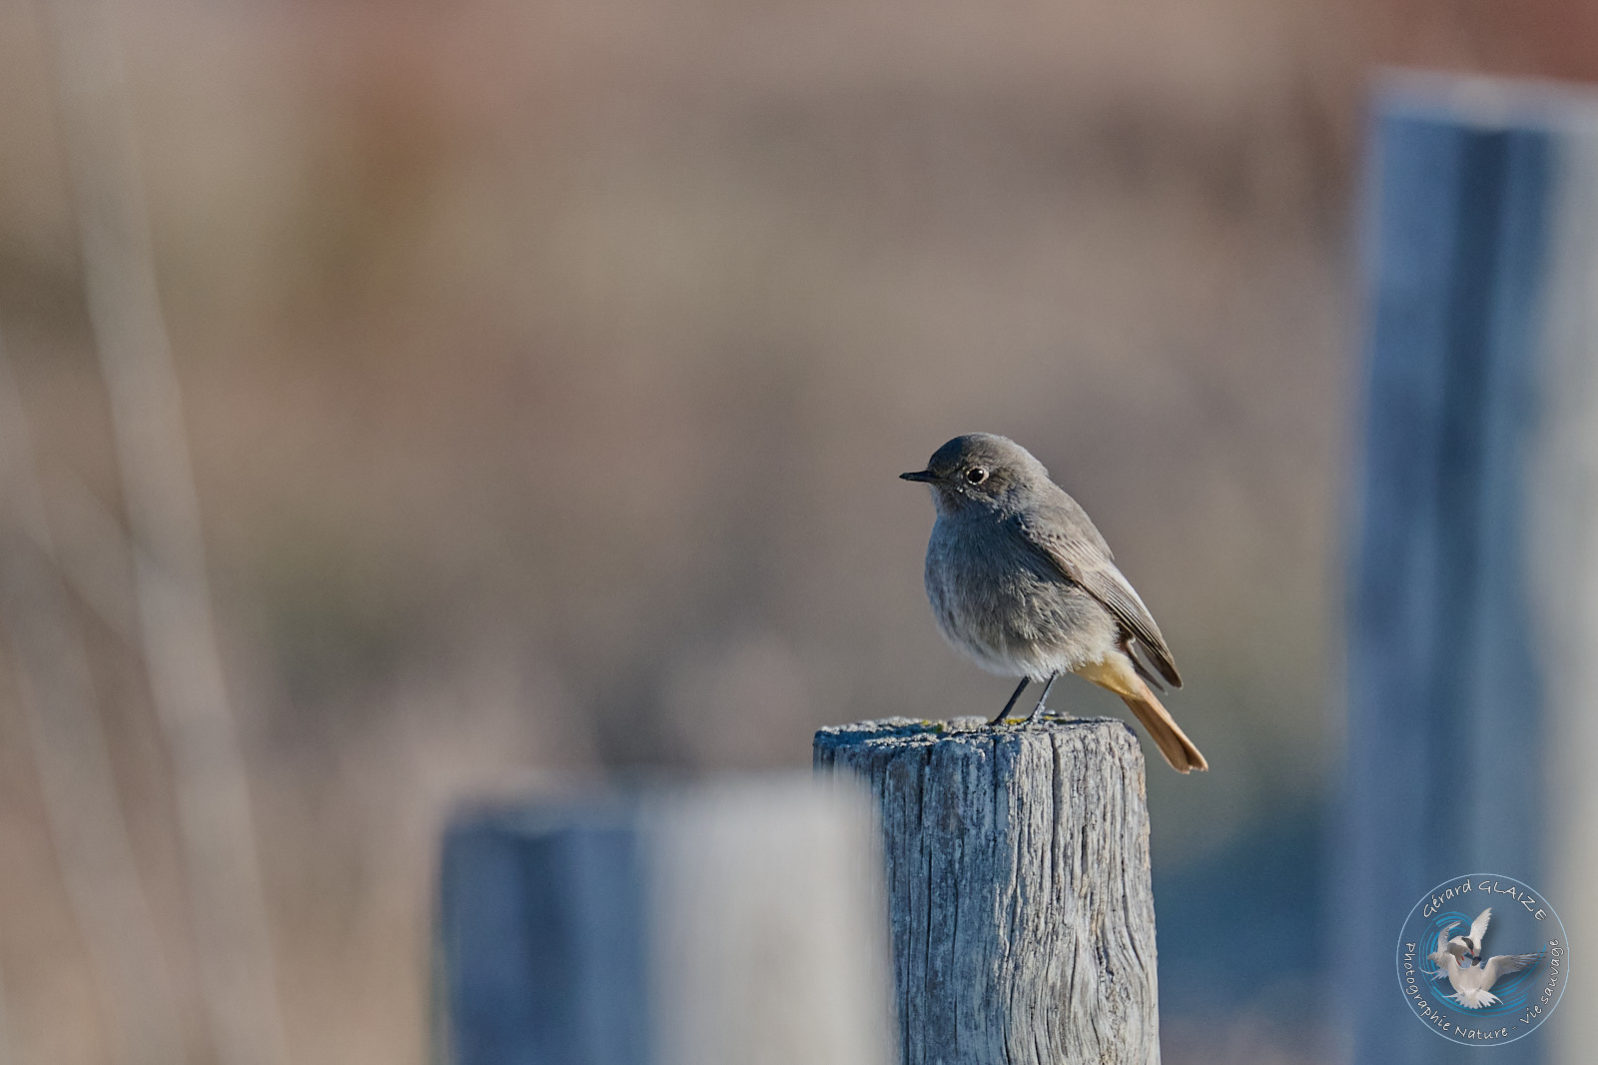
(546, 369)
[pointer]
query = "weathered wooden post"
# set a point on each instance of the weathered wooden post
(734, 924)
(1018, 888)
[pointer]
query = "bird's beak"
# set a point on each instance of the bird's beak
(918, 475)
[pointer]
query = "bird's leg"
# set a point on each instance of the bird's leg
(1038, 709)
(1013, 697)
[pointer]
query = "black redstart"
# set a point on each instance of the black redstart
(1021, 581)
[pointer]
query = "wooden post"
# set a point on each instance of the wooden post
(735, 924)
(1018, 887)
(1474, 614)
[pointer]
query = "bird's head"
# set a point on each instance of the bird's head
(981, 471)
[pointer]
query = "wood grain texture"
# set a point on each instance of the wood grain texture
(1018, 886)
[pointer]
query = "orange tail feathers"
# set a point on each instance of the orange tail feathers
(1116, 674)
(1167, 735)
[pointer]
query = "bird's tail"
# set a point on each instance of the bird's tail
(1475, 998)
(1167, 735)
(1116, 674)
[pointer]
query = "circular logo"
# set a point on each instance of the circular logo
(1482, 959)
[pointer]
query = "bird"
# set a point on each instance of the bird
(1472, 984)
(1021, 581)
(1463, 947)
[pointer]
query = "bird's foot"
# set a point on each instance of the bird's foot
(1040, 708)
(1048, 713)
(1004, 715)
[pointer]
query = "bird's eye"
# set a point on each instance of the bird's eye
(976, 475)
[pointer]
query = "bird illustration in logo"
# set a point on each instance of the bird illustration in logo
(1468, 948)
(1472, 983)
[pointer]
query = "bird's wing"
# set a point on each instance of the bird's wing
(1061, 533)
(1442, 938)
(1448, 968)
(1503, 965)
(1478, 927)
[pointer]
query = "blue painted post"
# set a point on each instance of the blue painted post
(1451, 722)
(715, 925)
(542, 921)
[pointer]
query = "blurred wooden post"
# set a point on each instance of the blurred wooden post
(1474, 618)
(737, 924)
(1018, 886)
